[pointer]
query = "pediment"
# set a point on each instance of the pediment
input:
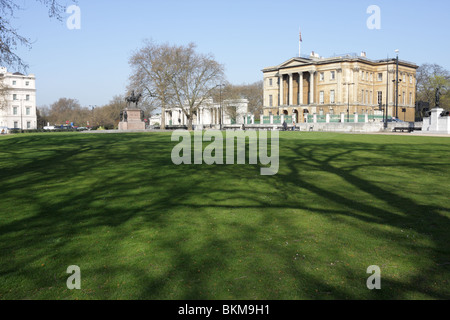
(295, 62)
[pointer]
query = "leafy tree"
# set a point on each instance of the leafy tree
(429, 78)
(67, 110)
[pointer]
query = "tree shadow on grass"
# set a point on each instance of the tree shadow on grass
(143, 228)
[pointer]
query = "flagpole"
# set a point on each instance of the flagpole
(300, 44)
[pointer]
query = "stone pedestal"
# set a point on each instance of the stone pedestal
(132, 120)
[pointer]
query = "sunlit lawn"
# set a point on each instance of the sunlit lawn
(140, 227)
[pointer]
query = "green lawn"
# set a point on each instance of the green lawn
(140, 227)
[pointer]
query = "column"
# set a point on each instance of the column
(311, 87)
(301, 88)
(339, 86)
(291, 89)
(281, 90)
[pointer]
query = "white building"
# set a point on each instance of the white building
(209, 114)
(19, 109)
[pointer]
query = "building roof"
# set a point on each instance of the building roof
(349, 57)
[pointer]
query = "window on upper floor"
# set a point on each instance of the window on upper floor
(27, 97)
(332, 97)
(321, 98)
(333, 75)
(380, 77)
(380, 97)
(15, 111)
(28, 111)
(14, 82)
(270, 82)
(322, 76)
(27, 83)
(14, 96)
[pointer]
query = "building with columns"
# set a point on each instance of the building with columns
(344, 84)
(210, 114)
(18, 108)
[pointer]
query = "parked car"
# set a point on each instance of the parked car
(49, 128)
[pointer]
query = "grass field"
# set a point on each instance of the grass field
(140, 227)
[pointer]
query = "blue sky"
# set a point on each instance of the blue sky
(91, 64)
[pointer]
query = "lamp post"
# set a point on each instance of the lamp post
(348, 99)
(396, 85)
(220, 108)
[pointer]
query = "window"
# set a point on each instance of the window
(410, 99)
(27, 97)
(270, 101)
(322, 76)
(15, 111)
(28, 111)
(367, 76)
(14, 96)
(362, 96)
(371, 97)
(332, 75)
(367, 97)
(332, 97)
(16, 125)
(270, 82)
(321, 98)
(27, 83)
(380, 97)
(14, 82)
(380, 77)
(410, 79)
(28, 125)
(404, 78)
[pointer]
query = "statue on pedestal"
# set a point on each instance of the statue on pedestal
(438, 96)
(133, 99)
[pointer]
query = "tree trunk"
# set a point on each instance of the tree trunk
(163, 118)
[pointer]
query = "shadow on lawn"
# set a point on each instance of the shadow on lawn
(202, 260)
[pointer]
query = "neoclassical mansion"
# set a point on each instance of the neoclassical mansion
(344, 84)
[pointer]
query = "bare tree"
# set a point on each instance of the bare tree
(4, 92)
(151, 76)
(175, 76)
(10, 39)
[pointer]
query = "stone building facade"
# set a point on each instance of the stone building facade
(346, 84)
(18, 108)
(210, 114)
